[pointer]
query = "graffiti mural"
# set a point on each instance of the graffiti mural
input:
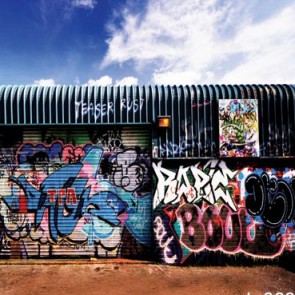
(62, 199)
(212, 207)
(238, 127)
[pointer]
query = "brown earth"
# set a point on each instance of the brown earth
(132, 277)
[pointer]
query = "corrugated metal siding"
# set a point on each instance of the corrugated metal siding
(194, 130)
(118, 219)
(194, 113)
(193, 109)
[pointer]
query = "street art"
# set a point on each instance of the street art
(270, 198)
(132, 105)
(164, 240)
(212, 207)
(94, 199)
(209, 183)
(238, 128)
(58, 196)
(188, 144)
(100, 110)
(109, 139)
(173, 149)
(97, 111)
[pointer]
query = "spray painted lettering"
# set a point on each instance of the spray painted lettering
(130, 104)
(100, 110)
(58, 195)
(128, 173)
(97, 111)
(208, 184)
(164, 240)
(270, 198)
(260, 224)
(224, 230)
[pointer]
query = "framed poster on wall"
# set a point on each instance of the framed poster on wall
(238, 128)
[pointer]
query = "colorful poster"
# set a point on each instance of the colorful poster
(238, 128)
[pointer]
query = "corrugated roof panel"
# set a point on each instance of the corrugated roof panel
(20, 92)
(193, 109)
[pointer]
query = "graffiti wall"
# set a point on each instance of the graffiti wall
(220, 207)
(62, 198)
(89, 193)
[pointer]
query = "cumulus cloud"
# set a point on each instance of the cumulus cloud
(207, 41)
(102, 81)
(44, 82)
(127, 81)
(90, 4)
(108, 81)
(268, 49)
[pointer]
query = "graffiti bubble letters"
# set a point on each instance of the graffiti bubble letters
(224, 230)
(68, 197)
(270, 198)
(128, 174)
(71, 154)
(209, 184)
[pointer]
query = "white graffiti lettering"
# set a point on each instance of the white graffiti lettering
(130, 104)
(164, 240)
(98, 110)
(209, 184)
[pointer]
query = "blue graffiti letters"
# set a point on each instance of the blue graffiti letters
(67, 196)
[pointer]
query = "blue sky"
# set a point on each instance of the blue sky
(146, 42)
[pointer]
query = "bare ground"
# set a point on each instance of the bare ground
(123, 277)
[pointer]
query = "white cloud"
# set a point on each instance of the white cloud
(108, 81)
(268, 48)
(44, 82)
(103, 81)
(207, 41)
(84, 3)
(127, 81)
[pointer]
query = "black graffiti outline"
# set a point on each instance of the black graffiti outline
(270, 198)
(124, 178)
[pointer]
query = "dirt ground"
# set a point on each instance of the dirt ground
(125, 277)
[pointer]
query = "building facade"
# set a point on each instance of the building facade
(182, 175)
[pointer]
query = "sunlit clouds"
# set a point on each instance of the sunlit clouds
(108, 81)
(195, 41)
(147, 42)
